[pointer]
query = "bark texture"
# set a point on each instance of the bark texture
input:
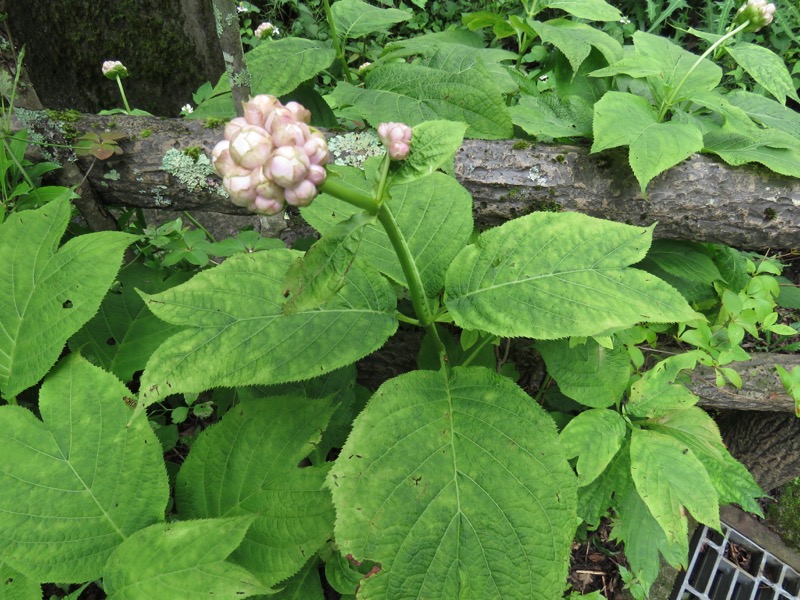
(700, 199)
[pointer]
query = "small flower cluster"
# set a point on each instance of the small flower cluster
(397, 139)
(266, 30)
(113, 69)
(271, 156)
(758, 12)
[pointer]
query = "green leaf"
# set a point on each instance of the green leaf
(576, 40)
(766, 111)
(654, 146)
(460, 58)
(235, 333)
(434, 214)
(355, 18)
(300, 60)
(47, 293)
(305, 585)
(318, 276)
(595, 499)
(644, 539)
(553, 275)
(16, 586)
(433, 144)
(766, 67)
(413, 94)
(247, 465)
(76, 484)
(668, 477)
(694, 428)
(737, 148)
(550, 116)
(196, 566)
(685, 260)
(588, 373)
(456, 484)
(655, 394)
(591, 10)
(594, 436)
(122, 336)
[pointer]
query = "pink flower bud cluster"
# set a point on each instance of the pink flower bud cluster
(397, 138)
(271, 156)
(758, 12)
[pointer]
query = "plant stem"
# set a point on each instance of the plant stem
(335, 37)
(122, 91)
(358, 198)
(413, 279)
(669, 100)
(199, 225)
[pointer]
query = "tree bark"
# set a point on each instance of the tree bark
(700, 199)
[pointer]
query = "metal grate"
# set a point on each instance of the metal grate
(729, 566)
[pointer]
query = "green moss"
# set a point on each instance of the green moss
(560, 158)
(193, 152)
(770, 214)
(67, 116)
(521, 145)
(785, 515)
(145, 133)
(214, 122)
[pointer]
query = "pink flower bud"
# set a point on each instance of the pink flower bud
(757, 13)
(316, 148)
(399, 150)
(290, 134)
(289, 166)
(240, 189)
(397, 138)
(302, 194)
(278, 117)
(223, 163)
(233, 126)
(299, 112)
(266, 206)
(317, 175)
(258, 108)
(251, 147)
(113, 69)
(265, 30)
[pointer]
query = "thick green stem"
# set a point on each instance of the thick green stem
(669, 100)
(122, 92)
(358, 198)
(335, 37)
(415, 288)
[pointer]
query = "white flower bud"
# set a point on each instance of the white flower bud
(251, 147)
(302, 194)
(113, 69)
(289, 166)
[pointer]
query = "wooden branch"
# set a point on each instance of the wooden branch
(700, 199)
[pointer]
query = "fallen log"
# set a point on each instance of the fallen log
(701, 199)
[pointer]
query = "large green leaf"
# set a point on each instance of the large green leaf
(738, 148)
(594, 436)
(303, 586)
(456, 484)
(654, 146)
(355, 18)
(592, 10)
(413, 94)
(685, 260)
(299, 61)
(237, 335)
(434, 214)
(595, 499)
(247, 465)
(47, 293)
(553, 275)
(766, 111)
(550, 116)
(78, 483)
(766, 67)
(588, 373)
(655, 394)
(433, 144)
(124, 333)
(181, 560)
(576, 40)
(693, 427)
(16, 586)
(669, 477)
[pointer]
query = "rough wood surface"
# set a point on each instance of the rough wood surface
(700, 199)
